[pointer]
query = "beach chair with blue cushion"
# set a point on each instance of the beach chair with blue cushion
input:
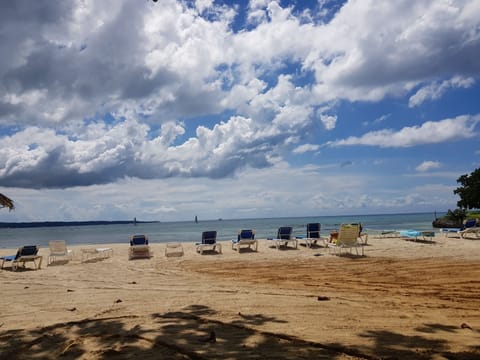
(348, 239)
(471, 227)
(417, 235)
(139, 247)
(245, 238)
(209, 242)
(24, 254)
(284, 237)
(313, 235)
(468, 227)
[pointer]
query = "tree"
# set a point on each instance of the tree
(457, 216)
(6, 202)
(469, 192)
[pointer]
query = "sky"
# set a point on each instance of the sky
(166, 110)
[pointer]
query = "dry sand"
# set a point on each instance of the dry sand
(403, 300)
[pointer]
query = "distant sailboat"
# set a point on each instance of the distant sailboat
(135, 221)
(196, 219)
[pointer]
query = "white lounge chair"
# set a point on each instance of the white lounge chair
(209, 242)
(58, 249)
(284, 237)
(348, 238)
(475, 230)
(139, 247)
(245, 238)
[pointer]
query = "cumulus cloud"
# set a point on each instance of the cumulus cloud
(328, 121)
(428, 165)
(39, 158)
(96, 91)
(430, 132)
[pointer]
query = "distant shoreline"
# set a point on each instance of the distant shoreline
(37, 224)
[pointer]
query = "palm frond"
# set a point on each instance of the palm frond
(6, 202)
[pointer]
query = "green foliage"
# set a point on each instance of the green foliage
(469, 192)
(473, 215)
(456, 216)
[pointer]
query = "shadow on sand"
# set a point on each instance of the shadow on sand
(192, 334)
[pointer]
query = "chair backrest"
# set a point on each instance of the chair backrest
(139, 240)
(246, 234)
(209, 237)
(470, 223)
(58, 246)
(348, 234)
(313, 231)
(284, 233)
(28, 250)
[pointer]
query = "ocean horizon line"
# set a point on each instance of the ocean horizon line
(60, 223)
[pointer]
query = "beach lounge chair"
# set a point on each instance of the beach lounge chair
(209, 242)
(139, 247)
(245, 238)
(415, 235)
(24, 254)
(173, 249)
(284, 237)
(348, 238)
(313, 235)
(362, 237)
(58, 249)
(471, 226)
(468, 227)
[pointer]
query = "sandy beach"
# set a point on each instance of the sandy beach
(403, 300)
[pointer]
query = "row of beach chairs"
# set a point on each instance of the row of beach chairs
(348, 237)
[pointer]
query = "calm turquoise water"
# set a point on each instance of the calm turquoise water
(190, 231)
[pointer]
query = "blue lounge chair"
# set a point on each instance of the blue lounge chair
(245, 238)
(415, 235)
(284, 237)
(209, 242)
(139, 247)
(24, 254)
(313, 235)
(471, 226)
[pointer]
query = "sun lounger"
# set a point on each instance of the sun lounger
(93, 254)
(209, 242)
(139, 247)
(284, 237)
(24, 254)
(173, 249)
(415, 235)
(348, 239)
(470, 231)
(313, 235)
(389, 234)
(245, 238)
(450, 231)
(58, 249)
(469, 227)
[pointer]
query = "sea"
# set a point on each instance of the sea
(190, 231)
